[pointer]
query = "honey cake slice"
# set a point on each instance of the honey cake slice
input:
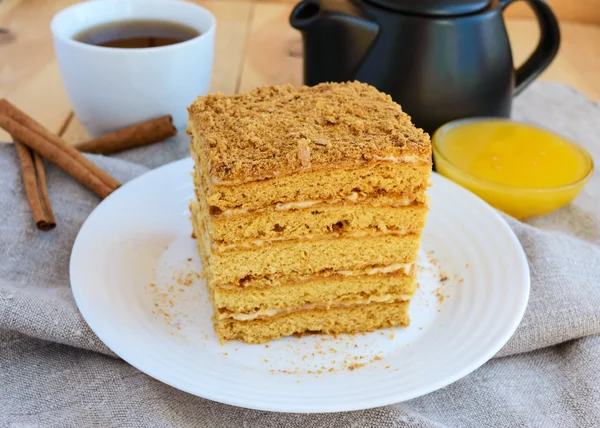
(296, 187)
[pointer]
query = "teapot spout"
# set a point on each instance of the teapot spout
(337, 35)
(304, 14)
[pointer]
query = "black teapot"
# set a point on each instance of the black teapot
(440, 59)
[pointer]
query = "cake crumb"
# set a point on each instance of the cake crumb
(304, 153)
(355, 366)
(440, 295)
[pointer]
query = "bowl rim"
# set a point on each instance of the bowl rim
(500, 186)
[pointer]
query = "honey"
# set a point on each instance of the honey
(523, 170)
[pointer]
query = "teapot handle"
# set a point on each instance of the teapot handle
(546, 49)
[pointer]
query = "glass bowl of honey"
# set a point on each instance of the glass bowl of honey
(521, 169)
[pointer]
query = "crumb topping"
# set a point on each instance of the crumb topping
(280, 130)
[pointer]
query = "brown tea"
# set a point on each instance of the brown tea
(136, 34)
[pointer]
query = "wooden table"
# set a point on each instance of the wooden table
(254, 46)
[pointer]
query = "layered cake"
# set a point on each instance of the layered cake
(309, 208)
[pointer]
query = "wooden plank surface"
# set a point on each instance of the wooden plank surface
(273, 49)
(586, 11)
(254, 46)
(583, 11)
(29, 75)
(578, 60)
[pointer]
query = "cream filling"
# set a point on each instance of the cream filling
(260, 242)
(405, 268)
(296, 205)
(352, 197)
(265, 313)
(398, 159)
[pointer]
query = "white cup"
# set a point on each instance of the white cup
(111, 88)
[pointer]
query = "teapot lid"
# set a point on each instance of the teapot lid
(434, 7)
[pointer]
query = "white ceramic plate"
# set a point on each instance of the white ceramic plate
(134, 274)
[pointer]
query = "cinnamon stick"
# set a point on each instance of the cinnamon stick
(148, 132)
(34, 179)
(69, 154)
(38, 161)
(56, 154)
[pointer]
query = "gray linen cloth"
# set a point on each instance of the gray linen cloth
(55, 373)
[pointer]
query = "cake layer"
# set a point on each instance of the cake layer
(335, 320)
(278, 279)
(257, 244)
(268, 313)
(318, 290)
(279, 223)
(311, 256)
(372, 178)
(284, 130)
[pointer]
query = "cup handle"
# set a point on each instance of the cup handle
(546, 49)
